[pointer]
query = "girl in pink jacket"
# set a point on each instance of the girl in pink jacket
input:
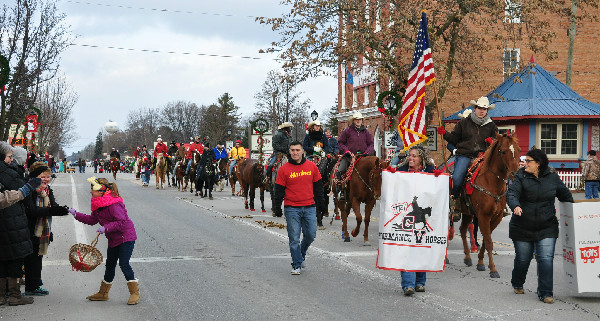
(108, 210)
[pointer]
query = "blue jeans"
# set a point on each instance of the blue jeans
(300, 219)
(187, 170)
(544, 255)
(146, 177)
(591, 190)
(232, 165)
(121, 253)
(461, 165)
(412, 279)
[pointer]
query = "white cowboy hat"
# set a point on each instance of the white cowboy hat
(483, 102)
(314, 123)
(357, 115)
(284, 125)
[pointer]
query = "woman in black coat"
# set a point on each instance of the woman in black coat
(534, 224)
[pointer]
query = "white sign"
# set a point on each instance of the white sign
(413, 225)
(266, 155)
(579, 229)
(267, 145)
(13, 129)
(366, 75)
(432, 138)
(391, 139)
(229, 144)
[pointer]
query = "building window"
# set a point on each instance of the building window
(510, 61)
(506, 129)
(366, 100)
(354, 98)
(560, 139)
(512, 11)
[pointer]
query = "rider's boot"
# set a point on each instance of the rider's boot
(455, 208)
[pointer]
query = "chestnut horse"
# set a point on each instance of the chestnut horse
(364, 186)
(180, 174)
(114, 166)
(252, 175)
(488, 200)
(161, 168)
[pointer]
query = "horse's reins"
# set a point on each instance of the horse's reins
(483, 190)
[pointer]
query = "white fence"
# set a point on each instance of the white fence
(571, 179)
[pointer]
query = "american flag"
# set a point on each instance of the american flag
(412, 126)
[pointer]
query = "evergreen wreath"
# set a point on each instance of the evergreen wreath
(389, 114)
(4, 71)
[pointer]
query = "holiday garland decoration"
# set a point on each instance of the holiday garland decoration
(4, 71)
(389, 113)
(260, 126)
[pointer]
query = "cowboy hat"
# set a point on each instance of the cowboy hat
(356, 115)
(314, 123)
(284, 125)
(483, 102)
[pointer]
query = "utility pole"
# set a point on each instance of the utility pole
(572, 31)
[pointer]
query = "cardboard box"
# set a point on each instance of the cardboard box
(580, 234)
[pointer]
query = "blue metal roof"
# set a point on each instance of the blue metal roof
(535, 92)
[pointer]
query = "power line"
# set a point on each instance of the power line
(166, 52)
(157, 9)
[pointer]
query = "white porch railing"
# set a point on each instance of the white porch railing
(571, 179)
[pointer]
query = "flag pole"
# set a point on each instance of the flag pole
(437, 105)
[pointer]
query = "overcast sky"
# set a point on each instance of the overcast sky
(111, 82)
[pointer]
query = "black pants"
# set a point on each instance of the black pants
(33, 266)
(11, 268)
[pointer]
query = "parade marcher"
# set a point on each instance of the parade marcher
(533, 225)
(298, 184)
(331, 142)
(220, 152)
(15, 243)
(196, 146)
(590, 172)
(115, 154)
(108, 209)
(418, 160)
(137, 152)
(145, 169)
(355, 139)
(236, 154)
(40, 207)
(61, 166)
(281, 145)
(471, 136)
(95, 166)
(207, 158)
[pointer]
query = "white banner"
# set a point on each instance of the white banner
(413, 225)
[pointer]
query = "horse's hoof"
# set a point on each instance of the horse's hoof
(156, 187)
(468, 262)
(347, 239)
(232, 194)
(494, 275)
(264, 211)
(354, 233)
(481, 267)
(252, 210)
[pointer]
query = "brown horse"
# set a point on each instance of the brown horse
(191, 176)
(488, 200)
(161, 168)
(252, 175)
(235, 173)
(114, 167)
(364, 186)
(180, 174)
(223, 168)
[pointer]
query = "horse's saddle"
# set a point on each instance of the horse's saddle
(472, 173)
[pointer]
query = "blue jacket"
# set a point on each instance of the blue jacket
(333, 147)
(220, 154)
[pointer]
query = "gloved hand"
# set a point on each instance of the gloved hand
(30, 186)
(101, 230)
(317, 149)
(72, 211)
(441, 130)
(437, 172)
(454, 151)
(489, 140)
(58, 211)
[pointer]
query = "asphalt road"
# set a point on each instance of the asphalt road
(212, 260)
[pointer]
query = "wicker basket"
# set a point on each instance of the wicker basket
(84, 257)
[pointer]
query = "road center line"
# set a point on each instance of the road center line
(80, 235)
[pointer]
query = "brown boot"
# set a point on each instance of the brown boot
(2, 291)
(102, 294)
(15, 293)
(134, 292)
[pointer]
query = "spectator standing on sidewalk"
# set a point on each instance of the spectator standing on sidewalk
(590, 172)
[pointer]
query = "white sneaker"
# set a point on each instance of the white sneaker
(296, 271)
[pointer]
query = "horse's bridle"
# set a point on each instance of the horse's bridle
(483, 190)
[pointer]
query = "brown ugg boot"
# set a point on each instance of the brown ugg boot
(15, 297)
(2, 291)
(102, 294)
(134, 292)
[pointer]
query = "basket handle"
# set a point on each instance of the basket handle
(95, 241)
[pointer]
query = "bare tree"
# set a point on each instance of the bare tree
(56, 101)
(182, 118)
(32, 36)
(142, 127)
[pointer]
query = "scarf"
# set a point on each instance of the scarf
(44, 223)
(480, 121)
(105, 200)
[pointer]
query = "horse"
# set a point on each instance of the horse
(233, 178)
(364, 186)
(222, 168)
(191, 177)
(114, 167)
(180, 174)
(251, 176)
(323, 164)
(160, 171)
(207, 179)
(280, 159)
(488, 199)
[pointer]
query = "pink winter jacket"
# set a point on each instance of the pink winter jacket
(111, 214)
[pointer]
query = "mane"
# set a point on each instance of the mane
(488, 152)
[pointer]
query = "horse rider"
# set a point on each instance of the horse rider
(196, 146)
(160, 148)
(316, 143)
(236, 154)
(471, 136)
(355, 139)
(332, 142)
(115, 154)
(220, 152)
(173, 149)
(207, 158)
(281, 145)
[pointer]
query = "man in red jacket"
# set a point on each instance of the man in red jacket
(196, 146)
(299, 184)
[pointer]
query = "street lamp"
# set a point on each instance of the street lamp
(229, 134)
(390, 103)
(314, 115)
